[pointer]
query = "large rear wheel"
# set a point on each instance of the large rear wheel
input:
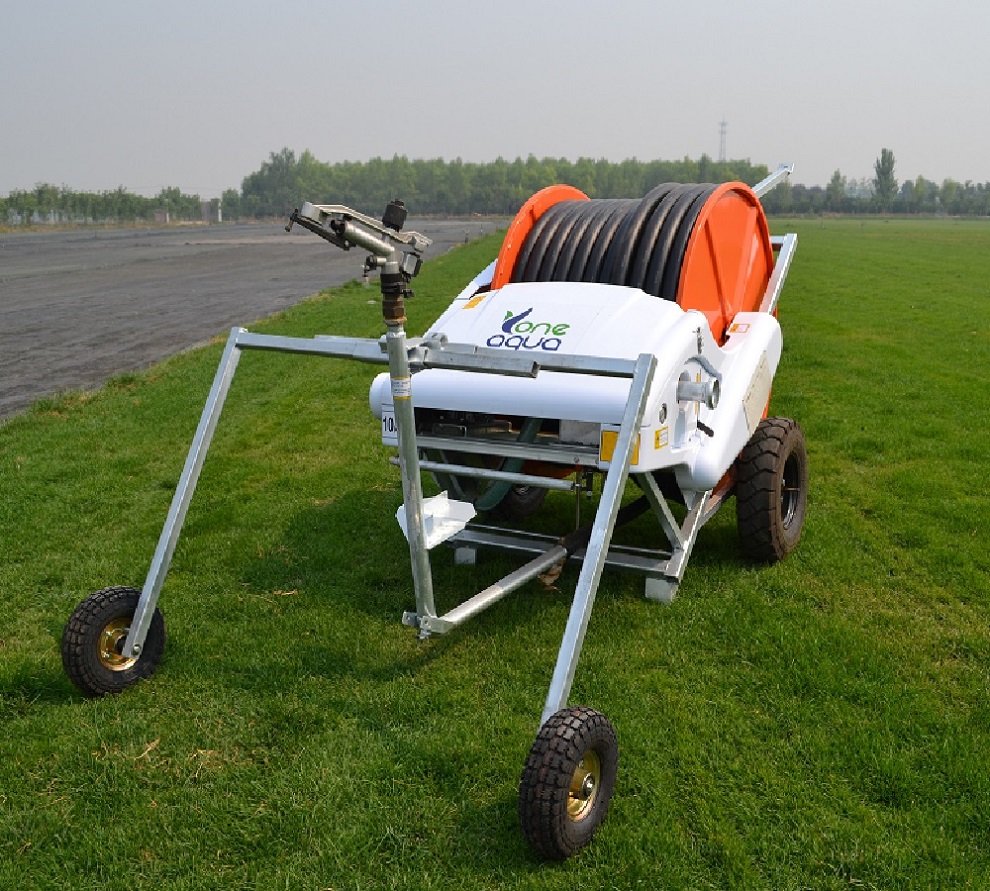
(772, 490)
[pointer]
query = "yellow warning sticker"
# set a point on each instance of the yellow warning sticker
(661, 438)
(474, 301)
(609, 440)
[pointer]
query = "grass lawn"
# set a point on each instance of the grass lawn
(821, 724)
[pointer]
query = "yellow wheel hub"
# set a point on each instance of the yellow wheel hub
(584, 786)
(110, 649)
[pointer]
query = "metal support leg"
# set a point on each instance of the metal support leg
(492, 594)
(661, 509)
(665, 589)
(183, 495)
(601, 535)
(412, 485)
(682, 541)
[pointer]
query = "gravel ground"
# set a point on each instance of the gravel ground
(78, 307)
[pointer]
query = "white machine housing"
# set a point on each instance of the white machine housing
(705, 402)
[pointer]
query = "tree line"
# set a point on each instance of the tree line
(438, 187)
(913, 196)
(500, 187)
(47, 203)
(458, 187)
(882, 194)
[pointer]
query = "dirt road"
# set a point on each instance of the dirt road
(77, 307)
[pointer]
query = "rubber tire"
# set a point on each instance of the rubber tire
(544, 789)
(772, 490)
(81, 642)
(520, 503)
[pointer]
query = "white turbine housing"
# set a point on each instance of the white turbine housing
(696, 437)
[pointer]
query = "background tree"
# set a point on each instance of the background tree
(925, 195)
(951, 196)
(457, 187)
(835, 193)
(780, 200)
(172, 199)
(884, 183)
(230, 203)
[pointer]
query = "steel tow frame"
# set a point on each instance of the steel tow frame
(663, 570)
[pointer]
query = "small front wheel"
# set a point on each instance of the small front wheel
(567, 782)
(93, 643)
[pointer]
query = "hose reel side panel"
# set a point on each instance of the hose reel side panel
(729, 258)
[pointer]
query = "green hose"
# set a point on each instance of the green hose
(493, 495)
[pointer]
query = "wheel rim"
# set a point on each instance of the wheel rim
(790, 489)
(584, 786)
(110, 649)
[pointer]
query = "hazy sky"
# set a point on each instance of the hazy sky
(197, 94)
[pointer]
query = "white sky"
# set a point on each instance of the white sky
(197, 94)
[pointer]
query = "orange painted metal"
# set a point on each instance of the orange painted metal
(729, 258)
(523, 222)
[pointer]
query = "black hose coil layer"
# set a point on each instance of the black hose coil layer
(639, 244)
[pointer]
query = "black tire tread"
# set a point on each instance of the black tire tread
(79, 658)
(759, 468)
(543, 789)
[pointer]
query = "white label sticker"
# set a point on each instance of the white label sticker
(401, 387)
(390, 432)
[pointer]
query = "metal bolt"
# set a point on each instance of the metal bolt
(587, 788)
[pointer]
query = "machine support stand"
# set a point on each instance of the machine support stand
(412, 485)
(183, 495)
(601, 536)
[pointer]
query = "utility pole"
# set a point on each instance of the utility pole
(722, 127)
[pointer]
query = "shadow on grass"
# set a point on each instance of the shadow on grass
(326, 601)
(29, 684)
(345, 564)
(349, 555)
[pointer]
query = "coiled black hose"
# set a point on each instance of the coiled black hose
(639, 244)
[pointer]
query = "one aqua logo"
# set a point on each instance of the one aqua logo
(522, 334)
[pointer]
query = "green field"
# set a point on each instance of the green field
(821, 724)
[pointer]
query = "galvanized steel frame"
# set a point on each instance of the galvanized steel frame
(663, 568)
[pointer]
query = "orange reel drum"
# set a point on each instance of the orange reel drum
(729, 258)
(523, 223)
